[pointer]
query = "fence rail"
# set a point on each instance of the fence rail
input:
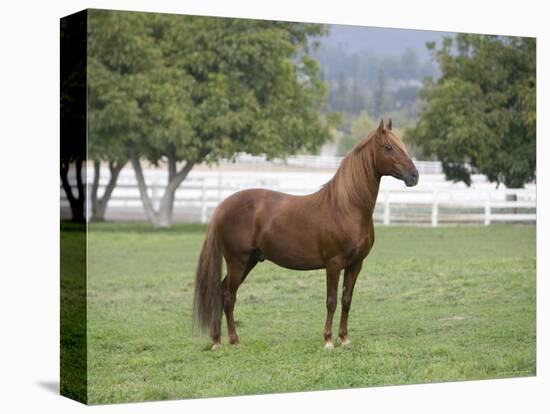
(197, 198)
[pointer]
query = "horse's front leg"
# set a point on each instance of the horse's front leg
(350, 277)
(333, 276)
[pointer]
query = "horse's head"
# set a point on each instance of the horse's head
(391, 156)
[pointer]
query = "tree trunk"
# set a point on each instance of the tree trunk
(142, 186)
(77, 203)
(171, 175)
(99, 206)
(166, 208)
(163, 217)
(95, 186)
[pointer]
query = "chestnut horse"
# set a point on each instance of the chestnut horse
(330, 229)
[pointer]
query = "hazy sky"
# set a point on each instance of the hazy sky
(382, 40)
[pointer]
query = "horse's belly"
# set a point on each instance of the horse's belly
(293, 254)
(295, 263)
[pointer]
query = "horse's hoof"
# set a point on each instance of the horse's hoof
(346, 342)
(216, 346)
(329, 345)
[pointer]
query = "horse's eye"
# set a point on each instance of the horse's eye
(388, 147)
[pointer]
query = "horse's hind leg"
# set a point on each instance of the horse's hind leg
(237, 269)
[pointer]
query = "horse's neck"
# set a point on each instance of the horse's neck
(372, 187)
(369, 190)
(358, 189)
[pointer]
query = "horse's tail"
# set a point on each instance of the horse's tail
(207, 302)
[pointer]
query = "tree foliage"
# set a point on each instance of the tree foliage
(479, 116)
(248, 85)
(204, 84)
(119, 51)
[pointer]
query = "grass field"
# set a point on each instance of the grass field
(430, 305)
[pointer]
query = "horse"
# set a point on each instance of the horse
(330, 229)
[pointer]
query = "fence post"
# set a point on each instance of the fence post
(386, 208)
(435, 209)
(487, 220)
(203, 201)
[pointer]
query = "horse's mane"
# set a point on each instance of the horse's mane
(350, 185)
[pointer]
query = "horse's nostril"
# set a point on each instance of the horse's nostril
(414, 174)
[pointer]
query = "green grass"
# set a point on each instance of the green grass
(430, 305)
(73, 312)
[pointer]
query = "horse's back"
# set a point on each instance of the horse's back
(241, 218)
(245, 203)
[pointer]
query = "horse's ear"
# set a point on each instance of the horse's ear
(380, 129)
(389, 124)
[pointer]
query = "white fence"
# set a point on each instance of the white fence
(434, 201)
(456, 206)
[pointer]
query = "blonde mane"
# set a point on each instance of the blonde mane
(356, 180)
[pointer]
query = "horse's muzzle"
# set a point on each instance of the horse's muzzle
(410, 177)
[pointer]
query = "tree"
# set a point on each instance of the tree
(118, 51)
(181, 90)
(479, 116)
(73, 110)
(204, 88)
